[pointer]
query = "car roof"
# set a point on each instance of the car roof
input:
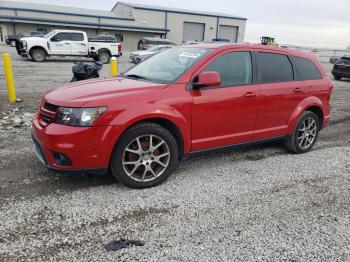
(225, 46)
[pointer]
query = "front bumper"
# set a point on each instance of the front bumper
(88, 148)
(341, 73)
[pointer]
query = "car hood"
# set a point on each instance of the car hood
(35, 39)
(96, 92)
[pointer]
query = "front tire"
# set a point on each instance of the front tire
(145, 156)
(38, 55)
(305, 133)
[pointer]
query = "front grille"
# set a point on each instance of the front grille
(47, 113)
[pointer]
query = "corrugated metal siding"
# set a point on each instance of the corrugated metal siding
(149, 18)
(58, 17)
(7, 12)
(176, 25)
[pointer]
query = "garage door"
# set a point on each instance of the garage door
(228, 32)
(193, 32)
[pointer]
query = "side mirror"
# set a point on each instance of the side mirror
(207, 79)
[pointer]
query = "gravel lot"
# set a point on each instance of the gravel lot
(252, 204)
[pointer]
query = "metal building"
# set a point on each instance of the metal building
(133, 21)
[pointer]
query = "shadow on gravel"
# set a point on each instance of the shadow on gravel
(122, 243)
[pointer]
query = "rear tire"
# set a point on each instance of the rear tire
(38, 55)
(145, 156)
(104, 57)
(305, 133)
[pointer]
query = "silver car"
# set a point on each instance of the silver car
(138, 56)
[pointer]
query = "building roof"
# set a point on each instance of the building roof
(58, 9)
(178, 10)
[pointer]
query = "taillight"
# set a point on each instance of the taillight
(330, 88)
(120, 48)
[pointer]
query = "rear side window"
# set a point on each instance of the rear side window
(274, 68)
(76, 37)
(234, 68)
(306, 69)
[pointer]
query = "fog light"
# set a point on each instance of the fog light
(61, 159)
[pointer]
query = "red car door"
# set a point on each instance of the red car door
(225, 114)
(279, 94)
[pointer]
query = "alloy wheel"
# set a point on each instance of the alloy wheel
(307, 133)
(146, 158)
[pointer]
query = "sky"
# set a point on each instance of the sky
(314, 23)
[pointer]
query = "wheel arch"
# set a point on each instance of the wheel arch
(313, 104)
(104, 50)
(38, 47)
(168, 125)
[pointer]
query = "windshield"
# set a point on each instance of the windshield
(167, 66)
(48, 35)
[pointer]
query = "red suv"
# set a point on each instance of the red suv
(182, 101)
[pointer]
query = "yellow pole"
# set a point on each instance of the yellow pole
(114, 66)
(11, 90)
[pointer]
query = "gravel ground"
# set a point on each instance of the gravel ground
(252, 204)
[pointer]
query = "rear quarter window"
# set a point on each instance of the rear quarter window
(306, 69)
(77, 37)
(274, 68)
(343, 60)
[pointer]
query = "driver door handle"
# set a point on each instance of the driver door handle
(298, 90)
(250, 94)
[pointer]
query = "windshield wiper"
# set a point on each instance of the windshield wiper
(136, 76)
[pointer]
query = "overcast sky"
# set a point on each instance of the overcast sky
(317, 23)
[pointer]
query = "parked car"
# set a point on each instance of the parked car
(341, 68)
(191, 43)
(66, 43)
(183, 101)
(12, 39)
(138, 56)
(146, 43)
(220, 40)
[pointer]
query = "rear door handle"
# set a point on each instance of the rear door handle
(67, 43)
(250, 94)
(298, 90)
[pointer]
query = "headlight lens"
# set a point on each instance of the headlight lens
(78, 116)
(24, 44)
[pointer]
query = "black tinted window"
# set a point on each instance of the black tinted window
(61, 37)
(77, 37)
(274, 68)
(234, 68)
(306, 69)
(343, 60)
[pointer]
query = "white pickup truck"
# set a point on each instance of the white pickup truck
(66, 43)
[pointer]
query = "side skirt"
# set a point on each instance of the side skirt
(235, 146)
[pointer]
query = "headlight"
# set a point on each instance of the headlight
(78, 116)
(24, 44)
